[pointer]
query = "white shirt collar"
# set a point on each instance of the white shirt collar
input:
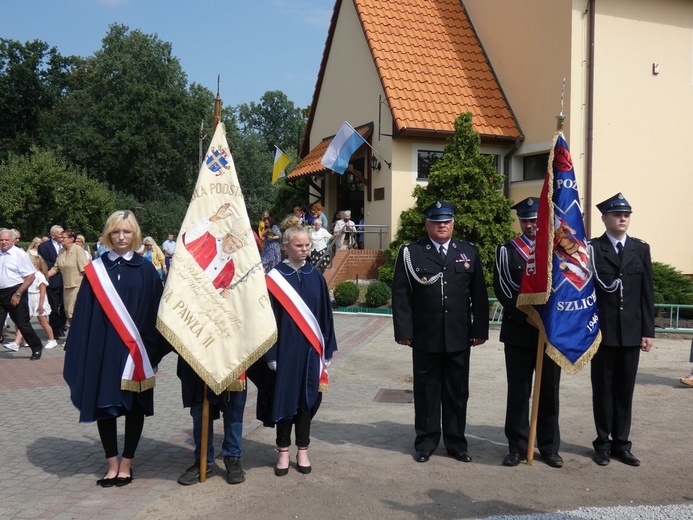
(615, 241)
(114, 256)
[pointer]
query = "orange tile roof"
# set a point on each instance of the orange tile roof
(311, 165)
(433, 68)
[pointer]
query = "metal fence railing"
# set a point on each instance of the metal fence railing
(668, 316)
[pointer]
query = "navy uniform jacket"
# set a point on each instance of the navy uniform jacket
(514, 329)
(442, 316)
(49, 255)
(624, 323)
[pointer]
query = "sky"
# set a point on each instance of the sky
(255, 45)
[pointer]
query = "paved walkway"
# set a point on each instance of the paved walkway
(361, 447)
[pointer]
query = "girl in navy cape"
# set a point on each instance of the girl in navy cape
(96, 356)
(297, 364)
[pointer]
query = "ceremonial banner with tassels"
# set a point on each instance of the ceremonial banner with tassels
(557, 289)
(215, 309)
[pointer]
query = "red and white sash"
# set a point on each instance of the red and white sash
(138, 374)
(303, 317)
(523, 246)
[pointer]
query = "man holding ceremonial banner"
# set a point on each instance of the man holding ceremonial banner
(219, 324)
(557, 290)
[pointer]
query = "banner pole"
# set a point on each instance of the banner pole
(535, 397)
(204, 434)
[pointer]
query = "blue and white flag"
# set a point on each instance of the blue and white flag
(557, 288)
(342, 147)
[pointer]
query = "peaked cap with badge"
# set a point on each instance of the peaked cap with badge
(615, 203)
(440, 211)
(527, 209)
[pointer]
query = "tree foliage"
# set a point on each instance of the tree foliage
(126, 120)
(42, 188)
(132, 121)
(33, 77)
(468, 179)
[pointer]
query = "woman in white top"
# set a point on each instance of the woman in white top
(38, 302)
(319, 238)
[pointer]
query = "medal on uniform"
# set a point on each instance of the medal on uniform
(465, 259)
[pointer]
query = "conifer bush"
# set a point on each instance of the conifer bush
(346, 293)
(378, 294)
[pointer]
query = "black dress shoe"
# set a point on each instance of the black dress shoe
(36, 355)
(106, 482)
(627, 458)
(511, 459)
(123, 481)
(601, 458)
(421, 456)
(553, 459)
(462, 456)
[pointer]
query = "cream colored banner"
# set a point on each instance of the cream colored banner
(215, 310)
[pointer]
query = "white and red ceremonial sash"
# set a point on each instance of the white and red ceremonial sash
(303, 317)
(523, 246)
(138, 374)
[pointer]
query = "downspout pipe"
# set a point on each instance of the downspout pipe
(507, 166)
(590, 121)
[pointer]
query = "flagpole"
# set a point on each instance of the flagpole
(541, 342)
(205, 402)
(389, 164)
(538, 369)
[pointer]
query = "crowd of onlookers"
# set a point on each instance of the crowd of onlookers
(345, 234)
(60, 258)
(59, 261)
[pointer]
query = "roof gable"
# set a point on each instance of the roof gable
(431, 66)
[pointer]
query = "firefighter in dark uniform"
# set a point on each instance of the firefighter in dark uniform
(625, 298)
(520, 339)
(440, 309)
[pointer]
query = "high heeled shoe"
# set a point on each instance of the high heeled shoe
(123, 481)
(280, 472)
(303, 469)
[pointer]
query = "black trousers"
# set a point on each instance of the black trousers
(301, 423)
(108, 432)
(441, 383)
(613, 382)
(19, 315)
(57, 318)
(520, 362)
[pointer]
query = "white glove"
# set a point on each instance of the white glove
(272, 365)
(328, 362)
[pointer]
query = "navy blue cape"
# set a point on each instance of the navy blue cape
(95, 355)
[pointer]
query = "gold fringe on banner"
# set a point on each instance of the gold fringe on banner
(216, 386)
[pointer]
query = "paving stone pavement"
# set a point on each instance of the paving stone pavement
(361, 448)
(50, 461)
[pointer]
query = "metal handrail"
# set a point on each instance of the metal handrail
(673, 326)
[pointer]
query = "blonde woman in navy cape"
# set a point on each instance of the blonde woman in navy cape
(113, 344)
(298, 287)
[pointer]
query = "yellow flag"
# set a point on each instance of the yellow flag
(281, 161)
(215, 309)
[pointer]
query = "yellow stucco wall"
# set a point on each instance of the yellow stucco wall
(349, 92)
(641, 120)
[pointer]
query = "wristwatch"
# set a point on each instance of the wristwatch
(18, 294)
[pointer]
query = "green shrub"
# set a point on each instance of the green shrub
(670, 285)
(386, 273)
(378, 294)
(346, 293)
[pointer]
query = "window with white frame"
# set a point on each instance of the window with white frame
(534, 166)
(425, 159)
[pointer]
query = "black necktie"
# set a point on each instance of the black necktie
(619, 248)
(442, 252)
